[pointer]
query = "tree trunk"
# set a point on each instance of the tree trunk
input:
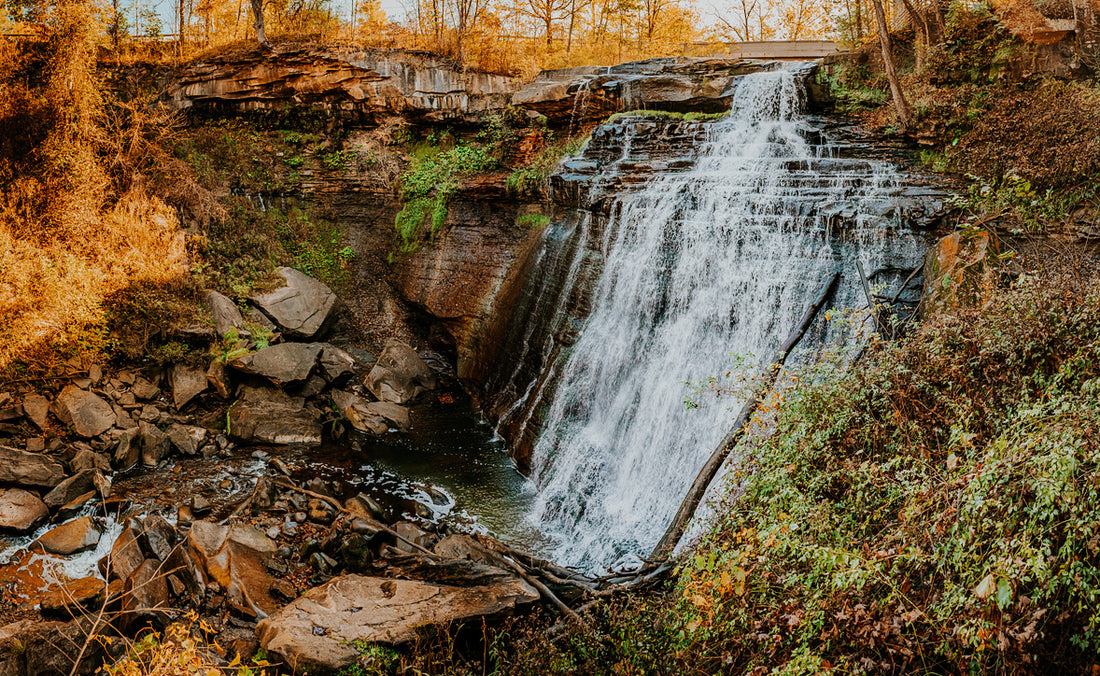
(258, 21)
(180, 23)
(920, 20)
(905, 118)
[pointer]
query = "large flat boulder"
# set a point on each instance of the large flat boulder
(29, 469)
(400, 375)
(302, 309)
(20, 511)
(283, 364)
(85, 412)
(319, 630)
(271, 416)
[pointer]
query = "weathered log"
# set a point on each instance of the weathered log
(706, 475)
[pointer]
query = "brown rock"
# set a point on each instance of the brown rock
(234, 557)
(128, 450)
(154, 444)
(187, 383)
(274, 417)
(126, 555)
(283, 364)
(20, 511)
(400, 375)
(144, 389)
(73, 594)
(960, 271)
(37, 408)
(86, 413)
(71, 488)
(69, 538)
(218, 378)
(29, 469)
(354, 608)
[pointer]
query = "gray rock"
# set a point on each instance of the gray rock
(86, 413)
(375, 417)
(71, 489)
(155, 444)
(29, 469)
(20, 511)
(336, 364)
(188, 382)
(274, 417)
(283, 364)
(69, 538)
(37, 408)
(88, 459)
(400, 375)
(224, 312)
(303, 308)
(187, 439)
(144, 389)
(128, 450)
(354, 608)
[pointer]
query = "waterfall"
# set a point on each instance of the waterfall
(699, 267)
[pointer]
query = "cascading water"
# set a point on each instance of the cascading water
(698, 266)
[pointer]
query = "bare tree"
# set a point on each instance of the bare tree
(546, 13)
(905, 118)
(468, 13)
(651, 14)
(739, 24)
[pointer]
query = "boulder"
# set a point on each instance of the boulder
(128, 450)
(69, 538)
(187, 439)
(400, 375)
(72, 488)
(20, 511)
(86, 413)
(29, 469)
(155, 444)
(336, 365)
(37, 647)
(218, 378)
(69, 596)
(146, 592)
(960, 271)
(375, 417)
(144, 389)
(224, 312)
(302, 309)
(321, 628)
(126, 555)
(234, 557)
(87, 459)
(272, 416)
(37, 408)
(188, 382)
(283, 364)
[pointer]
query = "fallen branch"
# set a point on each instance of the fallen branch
(545, 591)
(706, 475)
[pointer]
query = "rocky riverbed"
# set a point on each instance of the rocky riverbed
(131, 496)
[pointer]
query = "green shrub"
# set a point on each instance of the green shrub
(532, 176)
(428, 185)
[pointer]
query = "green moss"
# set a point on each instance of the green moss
(533, 175)
(670, 115)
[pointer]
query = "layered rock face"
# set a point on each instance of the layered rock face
(383, 82)
(680, 84)
(538, 314)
